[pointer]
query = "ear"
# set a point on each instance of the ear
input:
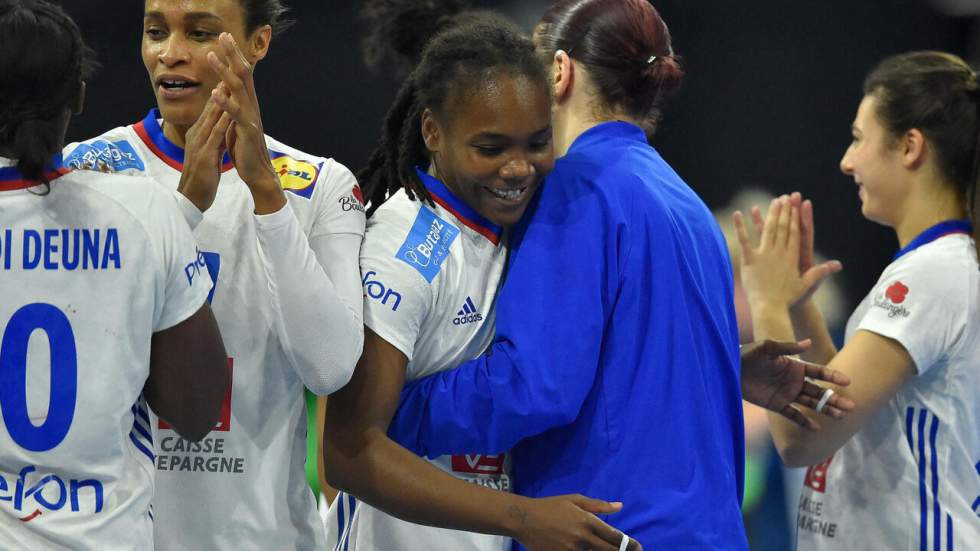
(562, 75)
(431, 133)
(258, 43)
(76, 108)
(913, 149)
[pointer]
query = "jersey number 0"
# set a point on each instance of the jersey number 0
(13, 376)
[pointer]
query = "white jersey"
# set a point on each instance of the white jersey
(90, 271)
(243, 486)
(430, 275)
(910, 479)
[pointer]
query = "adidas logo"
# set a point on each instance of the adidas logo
(468, 314)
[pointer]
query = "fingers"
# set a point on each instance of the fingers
(797, 417)
(783, 224)
(596, 506)
(217, 138)
(785, 348)
(793, 239)
(806, 235)
(821, 373)
(770, 227)
(836, 407)
(757, 219)
(607, 537)
(743, 237)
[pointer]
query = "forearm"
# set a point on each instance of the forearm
(808, 323)
(390, 478)
(321, 333)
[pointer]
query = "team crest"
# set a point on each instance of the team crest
(295, 176)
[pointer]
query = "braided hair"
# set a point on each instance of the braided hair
(43, 62)
(470, 48)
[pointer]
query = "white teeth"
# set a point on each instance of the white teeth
(508, 193)
(175, 83)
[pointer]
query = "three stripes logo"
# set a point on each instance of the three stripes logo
(935, 524)
(468, 314)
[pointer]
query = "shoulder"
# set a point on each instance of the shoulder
(410, 234)
(308, 175)
(115, 150)
(138, 196)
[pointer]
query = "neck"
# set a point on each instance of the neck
(174, 133)
(940, 203)
(576, 116)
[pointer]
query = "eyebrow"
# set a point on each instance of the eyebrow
(189, 17)
(496, 136)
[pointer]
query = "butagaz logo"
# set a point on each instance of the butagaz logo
(379, 292)
(892, 298)
(33, 493)
(816, 476)
(105, 157)
(468, 314)
(354, 201)
(479, 464)
(427, 244)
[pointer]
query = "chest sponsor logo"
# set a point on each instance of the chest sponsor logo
(492, 465)
(105, 156)
(891, 299)
(427, 244)
(816, 476)
(812, 512)
(354, 201)
(467, 314)
(32, 493)
(376, 290)
(298, 177)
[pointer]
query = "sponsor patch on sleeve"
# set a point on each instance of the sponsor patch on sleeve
(427, 244)
(295, 176)
(105, 156)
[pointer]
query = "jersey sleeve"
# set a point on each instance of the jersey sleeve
(184, 279)
(341, 209)
(397, 298)
(543, 362)
(921, 304)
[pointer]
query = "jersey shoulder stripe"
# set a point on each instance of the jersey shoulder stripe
(460, 210)
(11, 178)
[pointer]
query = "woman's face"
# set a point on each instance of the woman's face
(177, 36)
(875, 163)
(496, 147)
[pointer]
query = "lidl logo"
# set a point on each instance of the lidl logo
(295, 176)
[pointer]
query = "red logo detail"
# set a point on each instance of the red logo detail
(816, 476)
(896, 292)
(224, 418)
(479, 464)
(358, 194)
(32, 516)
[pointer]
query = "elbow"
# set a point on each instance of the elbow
(329, 371)
(799, 454)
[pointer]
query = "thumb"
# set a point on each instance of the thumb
(813, 277)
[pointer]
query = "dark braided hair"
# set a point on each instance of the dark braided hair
(475, 47)
(43, 62)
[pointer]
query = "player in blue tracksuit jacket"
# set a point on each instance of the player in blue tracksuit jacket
(615, 371)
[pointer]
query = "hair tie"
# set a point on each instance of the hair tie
(651, 59)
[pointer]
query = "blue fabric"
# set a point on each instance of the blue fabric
(615, 370)
(933, 233)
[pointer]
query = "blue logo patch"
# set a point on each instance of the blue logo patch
(116, 156)
(427, 244)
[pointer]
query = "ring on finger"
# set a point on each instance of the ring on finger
(824, 398)
(624, 544)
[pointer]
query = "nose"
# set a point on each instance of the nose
(173, 51)
(845, 163)
(518, 168)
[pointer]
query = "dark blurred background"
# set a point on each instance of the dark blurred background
(771, 90)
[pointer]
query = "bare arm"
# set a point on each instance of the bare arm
(362, 460)
(188, 374)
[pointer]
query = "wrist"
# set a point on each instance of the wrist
(514, 520)
(268, 198)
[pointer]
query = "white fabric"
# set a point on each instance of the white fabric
(91, 490)
(244, 486)
(910, 477)
(435, 325)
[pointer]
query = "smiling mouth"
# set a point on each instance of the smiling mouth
(174, 84)
(507, 194)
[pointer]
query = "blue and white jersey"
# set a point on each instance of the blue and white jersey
(910, 479)
(430, 276)
(90, 271)
(242, 486)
